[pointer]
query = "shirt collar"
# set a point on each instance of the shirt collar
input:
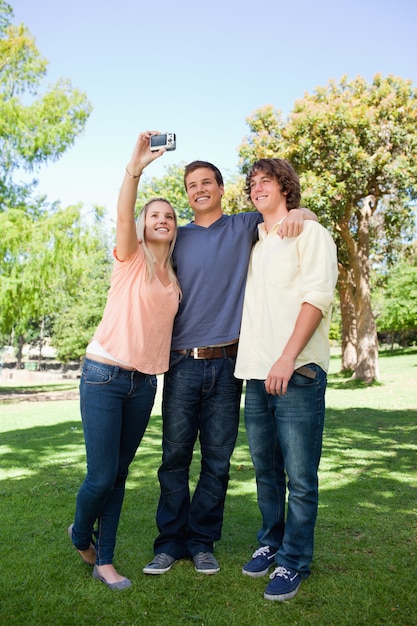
(263, 233)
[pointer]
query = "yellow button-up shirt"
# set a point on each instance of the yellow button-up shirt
(283, 274)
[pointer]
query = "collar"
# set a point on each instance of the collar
(263, 233)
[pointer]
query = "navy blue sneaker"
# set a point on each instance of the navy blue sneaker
(284, 584)
(262, 559)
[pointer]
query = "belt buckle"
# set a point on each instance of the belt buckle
(195, 353)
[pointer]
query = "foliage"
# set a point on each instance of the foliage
(83, 308)
(34, 128)
(398, 314)
(235, 199)
(46, 259)
(43, 248)
(265, 138)
(354, 146)
(365, 534)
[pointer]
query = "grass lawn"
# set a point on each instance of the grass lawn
(365, 566)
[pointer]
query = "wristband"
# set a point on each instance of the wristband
(131, 175)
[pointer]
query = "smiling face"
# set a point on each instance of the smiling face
(204, 193)
(266, 193)
(259, 184)
(160, 223)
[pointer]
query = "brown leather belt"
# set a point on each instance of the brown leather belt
(216, 352)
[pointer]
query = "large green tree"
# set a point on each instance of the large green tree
(39, 242)
(35, 127)
(354, 145)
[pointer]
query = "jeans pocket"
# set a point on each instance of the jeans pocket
(175, 358)
(96, 375)
(301, 380)
(232, 361)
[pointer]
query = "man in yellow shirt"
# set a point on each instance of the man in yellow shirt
(284, 356)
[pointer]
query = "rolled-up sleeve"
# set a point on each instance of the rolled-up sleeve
(318, 265)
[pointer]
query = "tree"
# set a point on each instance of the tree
(235, 199)
(39, 242)
(354, 146)
(45, 261)
(83, 307)
(34, 128)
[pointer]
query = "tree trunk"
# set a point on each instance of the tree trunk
(21, 343)
(349, 330)
(367, 366)
(41, 340)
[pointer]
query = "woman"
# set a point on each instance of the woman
(130, 346)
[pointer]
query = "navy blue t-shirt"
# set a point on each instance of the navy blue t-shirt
(211, 265)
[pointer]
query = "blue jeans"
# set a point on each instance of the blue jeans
(115, 409)
(200, 397)
(285, 439)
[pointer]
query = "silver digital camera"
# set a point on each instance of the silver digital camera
(164, 140)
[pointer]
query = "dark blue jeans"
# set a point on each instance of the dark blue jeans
(285, 440)
(200, 398)
(115, 409)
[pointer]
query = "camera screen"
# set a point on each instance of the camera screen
(158, 140)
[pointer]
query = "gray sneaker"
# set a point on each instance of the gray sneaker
(206, 563)
(160, 564)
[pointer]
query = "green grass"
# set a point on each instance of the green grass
(365, 565)
(39, 388)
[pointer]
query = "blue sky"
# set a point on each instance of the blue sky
(199, 69)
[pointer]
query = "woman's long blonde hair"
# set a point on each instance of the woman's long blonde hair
(149, 257)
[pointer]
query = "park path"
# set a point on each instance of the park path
(41, 396)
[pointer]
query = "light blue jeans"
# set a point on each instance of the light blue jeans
(115, 409)
(285, 440)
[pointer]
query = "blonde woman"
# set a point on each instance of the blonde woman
(130, 346)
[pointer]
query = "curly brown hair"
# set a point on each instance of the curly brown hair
(285, 175)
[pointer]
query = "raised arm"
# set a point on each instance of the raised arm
(126, 238)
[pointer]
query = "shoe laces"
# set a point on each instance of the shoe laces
(263, 551)
(283, 572)
(160, 558)
(205, 557)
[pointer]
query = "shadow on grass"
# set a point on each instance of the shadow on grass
(37, 388)
(371, 440)
(397, 352)
(342, 381)
(365, 538)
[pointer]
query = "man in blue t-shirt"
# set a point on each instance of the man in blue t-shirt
(201, 396)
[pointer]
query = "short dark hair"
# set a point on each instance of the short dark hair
(285, 175)
(195, 165)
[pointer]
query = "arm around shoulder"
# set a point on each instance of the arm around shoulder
(293, 224)
(309, 215)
